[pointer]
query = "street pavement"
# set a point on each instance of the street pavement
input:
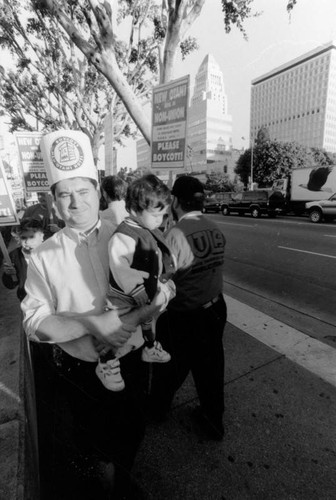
(280, 425)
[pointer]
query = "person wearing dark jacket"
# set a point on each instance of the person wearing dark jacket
(193, 324)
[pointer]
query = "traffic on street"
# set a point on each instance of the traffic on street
(286, 261)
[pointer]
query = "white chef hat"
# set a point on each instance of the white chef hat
(67, 154)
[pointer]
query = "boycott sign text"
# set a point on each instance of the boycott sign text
(31, 160)
(169, 121)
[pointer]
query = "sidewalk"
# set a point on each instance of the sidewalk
(18, 454)
(280, 440)
(280, 434)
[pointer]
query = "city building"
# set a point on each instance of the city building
(297, 100)
(209, 123)
(209, 130)
(143, 155)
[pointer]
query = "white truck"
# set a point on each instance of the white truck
(305, 185)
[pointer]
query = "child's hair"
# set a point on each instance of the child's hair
(29, 224)
(115, 187)
(147, 192)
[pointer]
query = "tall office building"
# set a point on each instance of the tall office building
(143, 155)
(209, 123)
(209, 133)
(297, 101)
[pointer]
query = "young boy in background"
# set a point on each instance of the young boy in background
(140, 263)
(30, 235)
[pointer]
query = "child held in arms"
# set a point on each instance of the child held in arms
(140, 264)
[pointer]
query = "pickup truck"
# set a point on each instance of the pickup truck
(322, 209)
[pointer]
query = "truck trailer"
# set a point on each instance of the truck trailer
(304, 185)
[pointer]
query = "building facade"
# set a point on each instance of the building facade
(209, 123)
(143, 155)
(209, 129)
(297, 101)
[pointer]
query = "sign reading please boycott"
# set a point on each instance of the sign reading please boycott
(35, 177)
(169, 124)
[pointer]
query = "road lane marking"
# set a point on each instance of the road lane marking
(330, 235)
(233, 224)
(311, 354)
(287, 221)
(306, 251)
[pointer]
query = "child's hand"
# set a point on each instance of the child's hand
(9, 269)
(168, 288)
(140, 296)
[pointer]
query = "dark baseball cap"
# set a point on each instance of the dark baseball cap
(187, 188)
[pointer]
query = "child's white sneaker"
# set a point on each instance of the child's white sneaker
(110, 376)
(155, 354)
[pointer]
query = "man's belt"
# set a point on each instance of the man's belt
(211, 302)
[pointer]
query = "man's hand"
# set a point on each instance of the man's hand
(109, 329)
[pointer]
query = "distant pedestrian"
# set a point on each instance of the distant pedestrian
(114, 191)
(192, 327)
(46, 213)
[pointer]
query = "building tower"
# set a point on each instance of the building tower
(297, 101)
(209, 134)
(209, 124)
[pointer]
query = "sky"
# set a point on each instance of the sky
(274, 38)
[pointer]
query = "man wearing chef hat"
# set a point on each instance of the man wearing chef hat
(67, 282)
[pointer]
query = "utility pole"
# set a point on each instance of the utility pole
(252, 166)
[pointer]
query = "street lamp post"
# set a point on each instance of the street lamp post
(251, 166)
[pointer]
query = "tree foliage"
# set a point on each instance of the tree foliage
(273, 160)
(243, 166)
(51, 84)
(218, 182)
(263, 135)
(157, 29)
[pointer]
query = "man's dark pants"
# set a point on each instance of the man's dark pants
(82, 425)
(194, 340)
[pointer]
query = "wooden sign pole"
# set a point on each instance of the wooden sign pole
(4, 250)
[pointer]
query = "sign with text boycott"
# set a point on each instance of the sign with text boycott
(169, 124)
(35, 177)
(8, 215)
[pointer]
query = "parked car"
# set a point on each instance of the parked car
(214, 202)
(322, 210)
(255, 203)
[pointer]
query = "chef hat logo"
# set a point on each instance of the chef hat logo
(66, 154)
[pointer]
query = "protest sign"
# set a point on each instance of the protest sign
(8, 216)
(35, 177)
(169, 124)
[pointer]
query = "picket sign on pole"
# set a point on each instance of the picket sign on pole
(5, 251)
(170, 103)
